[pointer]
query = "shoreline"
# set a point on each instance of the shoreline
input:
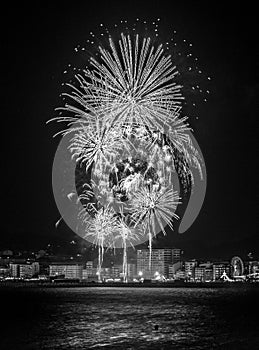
(67, 284)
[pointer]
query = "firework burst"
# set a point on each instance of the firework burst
(97, 143)
(134, 83)
(125, 114)
(100, 229)
(131, 83)
(151, 207)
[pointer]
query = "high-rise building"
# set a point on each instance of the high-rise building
(14, 270)
(176, 255)
(131, 271)
(189, 267)
(160, 261)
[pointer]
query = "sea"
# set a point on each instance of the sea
(129, 318)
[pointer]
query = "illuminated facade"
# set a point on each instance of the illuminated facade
(131, 271)
(24, 270)
(176, 255)
(173, 268)
(199, 273)
(189, 267)
(14, 270)
(219, 269)
(160, 261)
(116, 271)
(84, 274)
(69, 271)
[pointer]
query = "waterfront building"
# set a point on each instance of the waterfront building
(68, 270)
(89, 265)
(160, 261)
(106, 273)
(203, 272)
(199, 274)
(29, 270)
(173, 268)
(91, 274)
(189, 267)
(4, 271)
(24, 270)
(219, 269)
(84, 274)
(89, 269)
(208, 274)
(116, 271)
(14, 270)
(131, 271)
(180, 275)
(176, 255)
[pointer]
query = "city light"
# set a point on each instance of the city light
(168, 266)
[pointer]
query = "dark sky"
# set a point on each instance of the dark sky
(38, 42)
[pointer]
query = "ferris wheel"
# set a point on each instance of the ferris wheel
(237, 266)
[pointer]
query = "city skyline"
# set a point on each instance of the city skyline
(161, 265)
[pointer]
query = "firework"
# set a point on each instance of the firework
(133, 84)
(100, 227)
(97, 143)
(125, 114)
(151, 207)
(127, 235)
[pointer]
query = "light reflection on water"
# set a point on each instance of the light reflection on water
(124, 318)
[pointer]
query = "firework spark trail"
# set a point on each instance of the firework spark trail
(127, 236)
(100, 228)
(151, 206)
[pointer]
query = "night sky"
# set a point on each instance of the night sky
(38, 43)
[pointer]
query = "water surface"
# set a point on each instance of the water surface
(125, 318)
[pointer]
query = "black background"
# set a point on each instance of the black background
(38, 43)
